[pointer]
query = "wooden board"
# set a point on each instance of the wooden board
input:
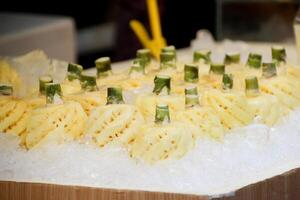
(282, 187)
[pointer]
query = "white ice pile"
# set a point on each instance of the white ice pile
(247, 155)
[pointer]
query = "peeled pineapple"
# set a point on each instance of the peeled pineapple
(147, 103)
(111, 80)
(55, 122)
(13, 115)
(267, 107)
(114, 124)
(203, 68)
(205, 119)
(70, 87)
(239, 80)
(88, 100)
(293, 71)
(35, 102)
(207, 82)
(134, 83)
(179, 122)
(285, 89)
(160, 142)
(8, 75)
(235, 67)
(231, 108)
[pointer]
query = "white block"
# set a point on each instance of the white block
(23, 32)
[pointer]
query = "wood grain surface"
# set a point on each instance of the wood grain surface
(282, 187)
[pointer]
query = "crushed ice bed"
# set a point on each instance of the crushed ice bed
(247, 155)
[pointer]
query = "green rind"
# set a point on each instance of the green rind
(74, 71)
(114, 95)
(191, 73)
(162, 114)
(88, 82)
(6, 89)
(217, 68)
(103, 66)
(52, 89)
(42, 81)
(202, 55)
(161, 82)
(227, 81)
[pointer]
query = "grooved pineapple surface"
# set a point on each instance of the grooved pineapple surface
(114, 124)
(60, 121)
(13, 115)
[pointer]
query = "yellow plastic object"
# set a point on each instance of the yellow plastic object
(154, 19)
(147, 104)
(141, 33)
(13, 115)
(88, 100)
(157, 42)
(160, 142)
(116, 124)
(231, 108)
(205, 119)
(267, 107)
(286, 89)
(55, 123)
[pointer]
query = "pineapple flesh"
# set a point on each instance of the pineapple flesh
(161, 142)
(57, 122)
(232, 108)
(13, 115)
(114, 124)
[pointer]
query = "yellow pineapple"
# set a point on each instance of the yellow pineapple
(231, 108)
(8, 75)
(161, 95)
(203, 59)
(35, 102)
(70, 87)
(202, 117)
(213, 80)
(37, 98)
(164, 139)
(137, 78)
(232, 62)
(55, 122)
(285, 89)
(72, 84)
(88, 100)
(293, 72)
(147, 103)
(13, 112)
(114, 124)
(13, 115)
(266, 107)
(205, 119)
(90, 97)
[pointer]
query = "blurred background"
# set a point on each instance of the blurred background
(87, 30)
